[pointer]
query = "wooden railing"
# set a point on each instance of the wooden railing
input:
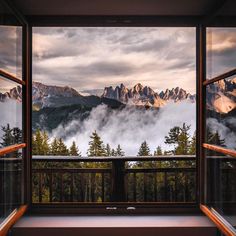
(114, 179)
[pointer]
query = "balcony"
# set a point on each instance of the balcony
(114, 179)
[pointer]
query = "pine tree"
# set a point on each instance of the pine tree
(144, 150)
(17, 135)
(119, 151)
(38, 143)
(192, 148)
(62, 149)
(7, 138)
(74, 151)
(96, 147)
(108, 150)
(54, 147)
(180, 138)
(45, 143)
(158, 151)
(183, 143)
(113, 152)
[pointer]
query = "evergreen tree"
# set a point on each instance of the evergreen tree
(74, 151)
(17, 135)
(183, 143)
(38, 143)
(144, 150)
(113, 152)
(119, 151)
(96, 147)
(192, 148)
(108, 150)
(158, 151)
(7, 137)
(45, 143)
(214, 138)
(54, 147)
(180, 138)
(62, 149)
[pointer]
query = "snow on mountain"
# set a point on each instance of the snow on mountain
(145, 96)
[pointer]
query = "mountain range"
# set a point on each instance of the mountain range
(221, 96)
(145, 96)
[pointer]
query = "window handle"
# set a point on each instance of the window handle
(111, 208)
(131, 208)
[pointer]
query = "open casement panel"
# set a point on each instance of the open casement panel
(218, 157)
(13, 134)
(216, 110)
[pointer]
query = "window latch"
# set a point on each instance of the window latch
(111, 208)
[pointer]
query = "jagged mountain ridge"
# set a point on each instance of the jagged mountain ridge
(146, 96)
(221, 96)
(14, 93)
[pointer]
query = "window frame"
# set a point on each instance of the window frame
(122, 21)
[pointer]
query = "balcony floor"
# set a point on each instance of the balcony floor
(114, 225)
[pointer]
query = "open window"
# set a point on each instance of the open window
(114, 115)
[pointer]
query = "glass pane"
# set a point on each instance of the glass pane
(11, 183)
(221, 51)
(10, 43)
(11, 113)
(220, 113)
(221, 184)
(114, 91)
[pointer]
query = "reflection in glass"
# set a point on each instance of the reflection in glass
(221, 113)
(11, 113)
(221, 51)
(221, 185)
(10, 43)
(11, 183)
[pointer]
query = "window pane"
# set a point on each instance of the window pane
(11, 113)
(221, 184)
(11, 183)
(220, 113)
(221, 51)
(10, 43)
(115, 91)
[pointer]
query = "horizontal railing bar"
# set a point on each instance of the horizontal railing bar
(12, 148)
(11, 77)
(219, 149)
(106, 159)
(154, 170)
(97, 170)
(76, 170)
(220, 77)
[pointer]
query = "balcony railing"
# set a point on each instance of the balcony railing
(114, 179)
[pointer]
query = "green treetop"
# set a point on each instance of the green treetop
(144, 150)
(96, 147)
(74, 151)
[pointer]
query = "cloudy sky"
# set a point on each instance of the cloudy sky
(92, 58)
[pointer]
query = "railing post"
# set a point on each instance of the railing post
(118, 181)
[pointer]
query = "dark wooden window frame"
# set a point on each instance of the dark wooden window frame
(24, 82)
(216, 218)
(122, 21)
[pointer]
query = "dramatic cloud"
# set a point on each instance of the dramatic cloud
(11, 46)
(94, 57)
(128, 127)
(10, 115)
(221, 45)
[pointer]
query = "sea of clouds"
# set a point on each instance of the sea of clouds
(128, 127)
